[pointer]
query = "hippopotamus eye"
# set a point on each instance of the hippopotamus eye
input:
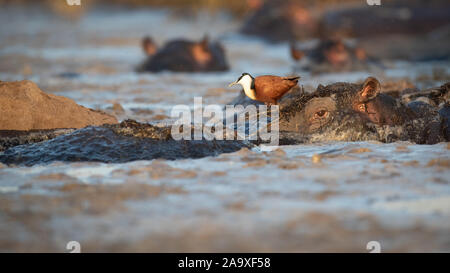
(321, 114)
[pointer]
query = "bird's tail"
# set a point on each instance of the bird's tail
(293, 78)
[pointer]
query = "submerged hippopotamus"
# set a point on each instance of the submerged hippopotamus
(332, 55)
(184, 56)
(360, 112)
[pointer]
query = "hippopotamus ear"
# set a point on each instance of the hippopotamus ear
(370, 89)
(205, 42)
(149, 46)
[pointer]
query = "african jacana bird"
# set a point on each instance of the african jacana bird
(268, 89)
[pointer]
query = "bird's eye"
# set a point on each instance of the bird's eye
(321, 114)
(362, 107)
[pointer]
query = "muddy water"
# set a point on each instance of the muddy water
(321, 197)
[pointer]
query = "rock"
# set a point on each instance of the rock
(23, 106)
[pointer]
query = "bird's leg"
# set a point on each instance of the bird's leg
(269, 108)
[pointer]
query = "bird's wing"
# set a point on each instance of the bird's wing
(273, 86)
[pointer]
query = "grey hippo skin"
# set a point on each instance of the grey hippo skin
(359, 112)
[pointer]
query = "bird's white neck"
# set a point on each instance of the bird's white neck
(247, 85)
(249, 92)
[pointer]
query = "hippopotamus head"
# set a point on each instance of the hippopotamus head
(188, 56)
(336, 53)
(209, 55)
(356, 112)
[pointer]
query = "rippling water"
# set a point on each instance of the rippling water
(321, 197)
